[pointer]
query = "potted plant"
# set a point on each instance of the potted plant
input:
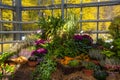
(32, 61)
(100, 74)
(88, 68)
(95, 54)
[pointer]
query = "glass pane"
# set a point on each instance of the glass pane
(29, 2)
(6, 47)
(7, 2)
(106, 12)
(89, 13)
(88, 26)
(104, 26)
(57, 12)
(57, 1)
(75, 11)
(106, 37)
(7, 37)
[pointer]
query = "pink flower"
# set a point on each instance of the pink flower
(40, 41)
(41, 51)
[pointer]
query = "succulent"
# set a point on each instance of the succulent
(100, 75)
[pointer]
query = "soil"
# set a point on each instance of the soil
(24, 72)
(70, 73)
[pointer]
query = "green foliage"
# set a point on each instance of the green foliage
(44, 70)
(108, 53)
(70, 48)
(74, 63)
(89, 65)
(63, 48)
(6, 69)
(1, 75)
(96, 54)
(114, 28)
(100, 75)
(115, 51)
(50, 26)
(71, 25)
(61, 34)
(4, 56)
(116, 48)
(116, 44)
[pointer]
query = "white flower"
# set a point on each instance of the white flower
(81, 32)
(111, 47)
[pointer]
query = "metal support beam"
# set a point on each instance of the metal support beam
(14, 32)
(52, 12)
(17, 16)
(1, 28)
(58, 6)
(62, 9)
(3, 6)
(97, 26)
(81, 10)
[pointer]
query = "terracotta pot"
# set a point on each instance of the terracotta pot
(32, 63)
(88, 72)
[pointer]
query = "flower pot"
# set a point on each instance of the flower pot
(32, 63)
(88, 72)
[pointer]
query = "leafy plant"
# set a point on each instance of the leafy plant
(70, 48)
(50, 26)
(108, 53)
(5, 69)
(114, 28)
(116, 47)
(111, 64)
(100, 75)
(74, 63)
(83, 43)
(4, 56)
(89, 65)
(96, 54)
(70, 26)
(44, 70)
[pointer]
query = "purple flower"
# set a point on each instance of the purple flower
(40, 41)
(83, 38)
(41, 51)
(78, 37)
(33, 52)
(87, 37)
